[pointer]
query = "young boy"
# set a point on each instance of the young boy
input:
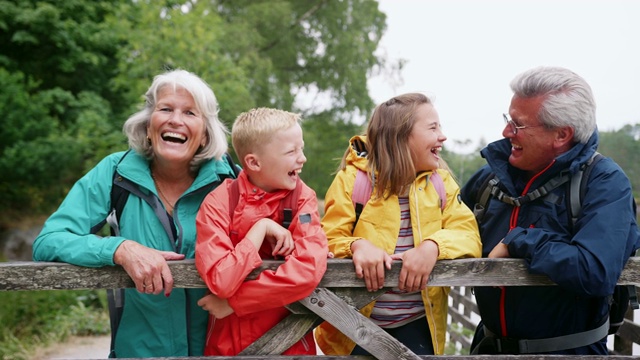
(269, 144)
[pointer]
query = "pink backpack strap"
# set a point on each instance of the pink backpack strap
(437, 182)
(361, 188)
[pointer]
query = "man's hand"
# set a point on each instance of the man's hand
(147, 267)
(500, 251)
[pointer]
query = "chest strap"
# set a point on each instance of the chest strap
(558, 343)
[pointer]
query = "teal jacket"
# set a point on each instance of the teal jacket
(151, 325)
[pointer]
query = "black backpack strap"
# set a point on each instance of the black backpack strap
(484, 195)
(537, 346)
(578, 187)
(235, 167)
(542, 191)
(118, 197)
(289, 205)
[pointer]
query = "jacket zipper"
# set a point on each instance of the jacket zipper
(513, 222)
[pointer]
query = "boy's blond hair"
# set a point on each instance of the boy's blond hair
(256, 127)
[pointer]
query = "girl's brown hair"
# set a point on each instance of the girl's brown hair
(389, 157)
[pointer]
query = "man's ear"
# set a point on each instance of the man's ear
(252, 162)
(564, 138)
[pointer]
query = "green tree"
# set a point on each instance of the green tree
(623, 146)
(75, 70)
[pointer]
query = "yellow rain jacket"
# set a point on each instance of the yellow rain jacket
(454, 229)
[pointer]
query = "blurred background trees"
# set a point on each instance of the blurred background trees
(72, 71)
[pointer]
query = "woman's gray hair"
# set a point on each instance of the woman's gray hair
(135, 128)
(569, 100)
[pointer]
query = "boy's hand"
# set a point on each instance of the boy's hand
(279, 238)
(370, 262)
(218, 308)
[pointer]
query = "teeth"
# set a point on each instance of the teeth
(174, 135)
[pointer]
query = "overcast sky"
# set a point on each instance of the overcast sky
(465, 53)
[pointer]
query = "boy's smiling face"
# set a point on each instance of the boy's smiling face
(277, 163)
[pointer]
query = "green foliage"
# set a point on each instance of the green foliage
(623, 146)
(37, 318)
(73, 71)
(326, 139)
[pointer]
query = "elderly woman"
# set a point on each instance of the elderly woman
(178, 144)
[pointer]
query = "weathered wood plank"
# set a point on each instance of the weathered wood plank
(288, 331)
(465, 300)
(460, 318)
(425, 357)
(356, 326)
(340, 273)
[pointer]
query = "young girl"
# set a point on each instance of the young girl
(403, 220)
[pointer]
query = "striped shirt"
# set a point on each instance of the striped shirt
(396, 308)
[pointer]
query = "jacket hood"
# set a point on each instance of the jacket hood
(358, 151)
(497, 156)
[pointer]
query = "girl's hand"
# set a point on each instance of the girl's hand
(370, 262)
(417, 264)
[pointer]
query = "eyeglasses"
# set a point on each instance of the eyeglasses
(514, 127)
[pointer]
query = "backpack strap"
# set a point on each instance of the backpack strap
(288, 206)
(437, 182)
(362, 189)
(118, 197)
(484, 195)
(578, 187)
(234, 195)
(235, 167)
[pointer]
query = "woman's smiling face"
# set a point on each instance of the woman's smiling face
(176, 129)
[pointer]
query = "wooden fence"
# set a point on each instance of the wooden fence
(336, 299)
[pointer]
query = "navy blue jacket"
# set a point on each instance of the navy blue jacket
(585, 262)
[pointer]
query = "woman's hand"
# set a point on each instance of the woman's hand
(217, 307)
(370, 262)
(147, 267)
(417, 264)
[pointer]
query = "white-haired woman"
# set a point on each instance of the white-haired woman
(178, 146)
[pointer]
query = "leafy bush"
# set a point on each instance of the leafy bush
(37, 318)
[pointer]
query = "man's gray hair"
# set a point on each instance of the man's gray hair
(569, 100)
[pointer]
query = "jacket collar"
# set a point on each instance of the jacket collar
(497, 156)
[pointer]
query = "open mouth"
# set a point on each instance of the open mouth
(436, 151)
(174, 137)
(294, 173)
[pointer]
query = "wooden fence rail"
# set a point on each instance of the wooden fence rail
(336, 299)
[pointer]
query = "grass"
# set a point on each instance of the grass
(36, 319)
